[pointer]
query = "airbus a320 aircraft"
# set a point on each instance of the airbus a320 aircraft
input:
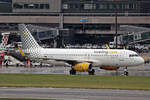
(82, 60)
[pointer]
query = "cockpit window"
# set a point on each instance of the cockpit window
(133, 55)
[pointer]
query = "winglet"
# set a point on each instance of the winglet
(107, 47)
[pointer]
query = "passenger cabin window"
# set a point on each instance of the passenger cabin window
(133, 55)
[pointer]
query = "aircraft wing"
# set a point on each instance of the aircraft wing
(75, 61)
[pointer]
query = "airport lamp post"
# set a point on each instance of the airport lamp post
(83, 20)
(116, 23)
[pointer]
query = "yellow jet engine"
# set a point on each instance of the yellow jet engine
(82, 67)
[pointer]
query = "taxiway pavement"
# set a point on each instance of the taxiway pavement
(74, 94)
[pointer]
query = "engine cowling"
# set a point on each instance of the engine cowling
(83, 67)
(109, 67)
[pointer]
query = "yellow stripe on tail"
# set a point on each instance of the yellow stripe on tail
(22, 54)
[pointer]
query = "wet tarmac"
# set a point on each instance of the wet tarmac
(142, 70)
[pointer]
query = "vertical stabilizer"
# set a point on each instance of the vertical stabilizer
(28, 41)
(5, 37)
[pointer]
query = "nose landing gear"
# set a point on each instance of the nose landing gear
(126, 71)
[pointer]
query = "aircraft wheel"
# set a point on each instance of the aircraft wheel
(92, 72)
(72, 72)
(126, 71)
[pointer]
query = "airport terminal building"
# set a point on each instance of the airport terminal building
(84, 18)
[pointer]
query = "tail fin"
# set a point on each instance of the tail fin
(5, 37)
(27, 39)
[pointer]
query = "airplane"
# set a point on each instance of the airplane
(82, 60)
(4, 41)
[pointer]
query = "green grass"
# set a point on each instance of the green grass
(23, 99)
(75, 81)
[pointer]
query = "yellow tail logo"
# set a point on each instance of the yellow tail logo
(25, 33)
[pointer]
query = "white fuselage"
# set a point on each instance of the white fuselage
(98, 57)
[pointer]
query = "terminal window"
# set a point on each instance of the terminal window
(30, 6)
(18, 6)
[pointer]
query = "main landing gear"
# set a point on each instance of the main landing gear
(73, 72)
(92, 72)
(126, 71)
